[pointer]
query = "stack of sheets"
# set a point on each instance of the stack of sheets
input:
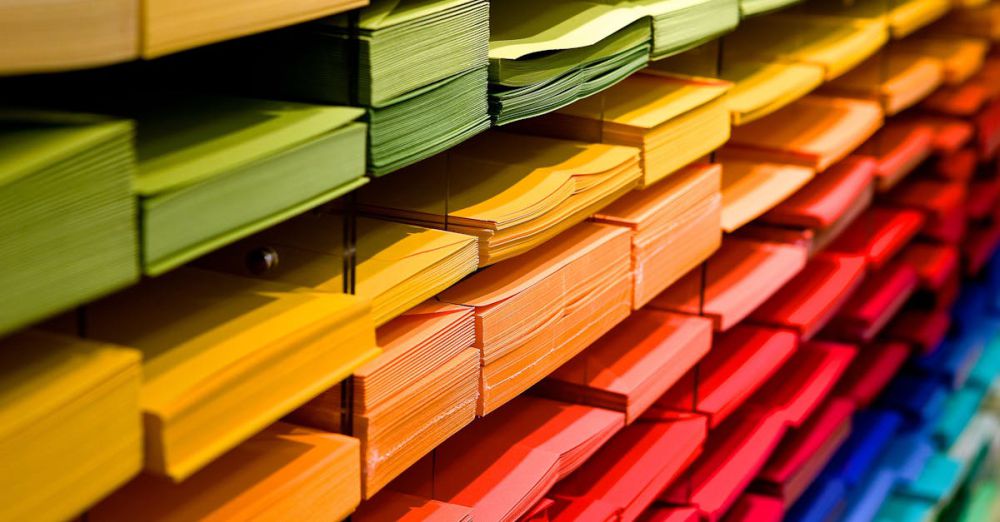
(538, 311)
(419, 68)
(238, 166)
(903, 17)
(836, 45)
(539, 63)
(899, 148)
(175, 25)
(674, 225)
(875, 367)
(809, 301)
(411, 398)
(66, 189)
(741, 361)
(679, 26)
(502, 465)
(225, 356)
(70, 424)
(511, 204)
(896, 80)
(760, 87)
(826, 198)
(675, 120)
(942, 202)
(879, 234)
(739, 277)
(814, 132)
(633, 364)
(872, 307)
(285, 472)
(67, 35)
(756, 7)
(624, 477)
(750, 189)
(960, 57)
(396, 266)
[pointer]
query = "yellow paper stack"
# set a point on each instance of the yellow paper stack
(960, 58)
(285, 472)
(511, 202)
(421, 390)
(537, 311)
(225, 356)
(174, 25)
(902, 17)
(674, 227)
(675, 120)
(70, 424)
(836, 45)
(397, 266)
(69, 34)
(760, 88)
(749, 189)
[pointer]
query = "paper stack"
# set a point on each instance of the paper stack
(501, 465)
(67, 35)
(624, 477)
(540, 63)
(750, 189)
(896, 80)
(809, 301)
(960, 58)
(679, 26)
(417, 67)
(942, 202)
(756, 7)
(512, 204)
(739, 277)
(285, 472)
(633, 364)
(66, 188)
(225, 356)
(827, 197)
(805, 451)
(760, 88)
(212, 170)
(814, 132)
(175, 25)
(421, 390)
(903, 17)
(675, 120)
(872, 307)
(899, 148)
(537, 311)
(70, 424)
(740, 362)
(836, 45)
(674, 225)
(879, 234)
(396, 266)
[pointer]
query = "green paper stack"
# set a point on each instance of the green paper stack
(679, 25)
(67, 212)
(213, 170)
(535, 78)
(418, 66)
(757, 7)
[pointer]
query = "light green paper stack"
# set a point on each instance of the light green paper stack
(531, 76)
(418, 66)
(757, 7)
(67, 212)
(679, 25)
(213, 170)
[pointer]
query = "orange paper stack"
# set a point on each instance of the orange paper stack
(285, 472)
(896, 81)
(737, 279)
(898, 148)
(674, 226)
(421, 390)
(634, 364)
(750, 189)
(815, 132)
(539, 310)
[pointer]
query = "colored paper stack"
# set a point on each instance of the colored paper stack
(65, 186)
